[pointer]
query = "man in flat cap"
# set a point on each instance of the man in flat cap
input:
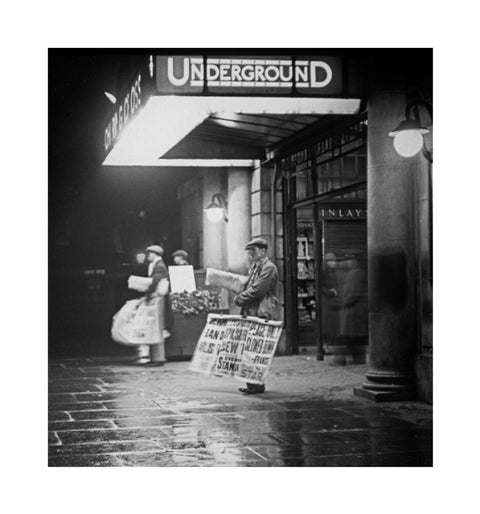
(180, 258)
(158, 271)
(259, 296)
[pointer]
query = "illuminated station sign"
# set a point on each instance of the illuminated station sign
(254, 76)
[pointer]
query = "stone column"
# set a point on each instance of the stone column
(214, 244)
(238, 226)
(391, 256)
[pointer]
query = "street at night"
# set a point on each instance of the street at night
(216, 216)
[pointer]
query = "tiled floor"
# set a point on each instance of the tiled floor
(104, 413)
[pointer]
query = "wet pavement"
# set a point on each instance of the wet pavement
(108, 412)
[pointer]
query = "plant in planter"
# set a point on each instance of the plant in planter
(195, 303)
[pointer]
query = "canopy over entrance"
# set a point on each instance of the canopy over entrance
(252, 123)
(211, 110)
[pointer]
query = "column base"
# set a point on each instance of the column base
(396, 395)
(387, 386)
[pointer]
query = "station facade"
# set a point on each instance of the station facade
(296, 150)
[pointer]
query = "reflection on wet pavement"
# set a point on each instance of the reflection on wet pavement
(108, 415)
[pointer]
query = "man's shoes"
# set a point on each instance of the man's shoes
(253, 389)
(152, 364)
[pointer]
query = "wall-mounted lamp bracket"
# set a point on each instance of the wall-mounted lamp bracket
(413, 125)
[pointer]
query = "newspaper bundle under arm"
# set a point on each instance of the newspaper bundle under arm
(231, 281)
(139, 283)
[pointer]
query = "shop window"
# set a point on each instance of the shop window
(305, 279)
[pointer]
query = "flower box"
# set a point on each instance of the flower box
(190, 311)
(185, 334)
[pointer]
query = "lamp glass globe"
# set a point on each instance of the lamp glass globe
(408, 143)
(215, 214)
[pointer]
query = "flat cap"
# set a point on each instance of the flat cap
(155, 249)
(180, 253)
(259, 242)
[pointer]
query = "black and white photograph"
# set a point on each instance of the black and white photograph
(240, 256)
(233, 279)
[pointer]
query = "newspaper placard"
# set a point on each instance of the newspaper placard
(236, 346)
(205, 355)
(258, 352)
(182, 278)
